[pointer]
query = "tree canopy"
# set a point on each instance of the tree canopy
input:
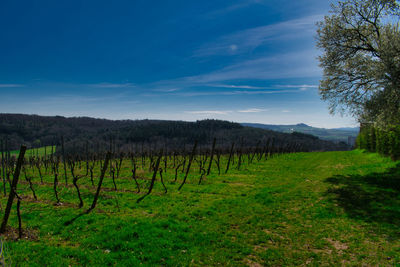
(80, 133)
(360, 41)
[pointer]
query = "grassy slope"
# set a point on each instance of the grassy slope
(306, 208)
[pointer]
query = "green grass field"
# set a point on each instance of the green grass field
(41, 151)
(331, 208)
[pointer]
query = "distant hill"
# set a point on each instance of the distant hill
(79, 132)
(350, 129)
(336, 135)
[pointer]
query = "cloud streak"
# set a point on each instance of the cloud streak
(113, 85)
(249, 39)
(210, 112)
(230, 8)
(301, 87)
(289, 65)
(252, 110)
(10, 85)
(221, 93)
(298, 64)
(225, 112)
(238, 86)
(71, 100)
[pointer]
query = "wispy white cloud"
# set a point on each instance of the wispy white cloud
(302, 87)
(210, 112)
(167, 90)
(238, 86)
(230, 8)
(113, 85)
(215, 93)
(286, 111)
(263, 92)
(297, 64)
(225, 112)
(71, 100)
(10, 85)
(252, 110)
(290, 65)
(249, 39)
(306, 87)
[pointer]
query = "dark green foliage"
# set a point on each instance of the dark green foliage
(385, 141)
(304, 135)
(89, 134)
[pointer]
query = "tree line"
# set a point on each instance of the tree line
(83, 133)
(385, 141)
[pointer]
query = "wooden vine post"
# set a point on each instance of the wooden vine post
(14, 184)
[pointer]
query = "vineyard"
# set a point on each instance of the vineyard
(250, 206)
(192, 133)
(73, 180)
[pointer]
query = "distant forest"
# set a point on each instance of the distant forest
(127, 135)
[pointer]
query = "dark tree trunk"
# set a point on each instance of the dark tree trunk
(55, 186)
(153, 179)
(3, 161)
(212, 155)
(189, 163)
(91, 174)
(64, 162)
(202, 173)
(217, 160)
(38, 165)
(19, 217)
(134, 178)
(113, 177)
(229, 159)
(176, 171)
(103, 172)
(75, 182)
(29, 180)
(162, 181)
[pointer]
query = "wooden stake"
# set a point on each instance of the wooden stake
(14, 184)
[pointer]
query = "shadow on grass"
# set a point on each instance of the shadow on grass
(77, 217)
(373, 198)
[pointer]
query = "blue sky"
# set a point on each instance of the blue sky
(242, 60)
